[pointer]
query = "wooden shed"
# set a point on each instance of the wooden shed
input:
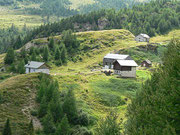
(142, 38)
(37, 67)
(109, 59)
(146, 63)
(125, 68)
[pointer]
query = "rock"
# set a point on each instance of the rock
(102, 23)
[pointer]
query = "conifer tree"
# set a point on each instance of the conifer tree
(109, 125)
(41, 91)
(33, 57)
(31, 50)
(56, 110)
(18, 43)
(51, 43)
(23, 52)
(63, 53)
(46, 54)
(13, 68)
(7, 128)
(21, 68)
(63, 127)
(57, 54)
(48, 124)
(10, 56)
(43, 107)
(69, 106)
(157, 105)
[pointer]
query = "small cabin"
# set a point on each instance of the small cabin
(142, 38)
(146, 63)
(125, 68)
(109, 59)
(37, 67)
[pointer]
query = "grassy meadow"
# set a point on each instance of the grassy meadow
(18, 93)
(78, 3)
(10, 16)
(95, 92)
(164, 39)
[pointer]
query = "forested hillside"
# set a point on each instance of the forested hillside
(41, 7)
(62, 7)
(164, 17)
(156, 17)
(106, 4)
(18, 17)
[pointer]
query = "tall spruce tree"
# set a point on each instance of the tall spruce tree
(18, 43)
(63, 127)
(55, 108)
(7, 128)
(51, 43)
(57, 54)
(33, 57)
(10, 56)
(21, 68)
(46, 54)
(43, 107)
(48, 124)
(63, 53)
(69, 106)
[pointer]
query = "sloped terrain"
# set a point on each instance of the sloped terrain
(95, 92)
(17, 98)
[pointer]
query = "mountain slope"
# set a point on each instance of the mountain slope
(18, 99)
(34, 13)
(95, 92)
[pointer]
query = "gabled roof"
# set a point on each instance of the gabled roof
(116, 56)
(144, 35)
(148, 61)
(34, 64)
(129, 63)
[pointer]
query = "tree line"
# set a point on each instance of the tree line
(12, 37)
(155, 17)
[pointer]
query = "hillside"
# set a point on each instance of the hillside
(34, 13)
(133, 19)
(17, 100)
(95, 93)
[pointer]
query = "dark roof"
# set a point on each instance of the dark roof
(34, 64)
